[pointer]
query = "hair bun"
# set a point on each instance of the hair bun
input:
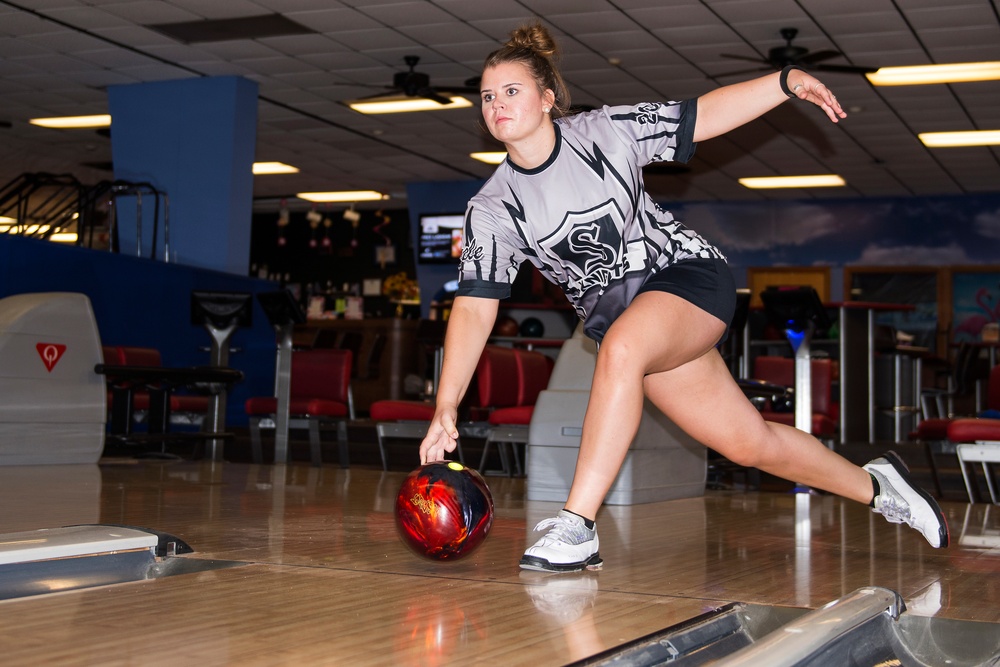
(535, 37)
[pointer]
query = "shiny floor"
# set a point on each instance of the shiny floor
(326, 580)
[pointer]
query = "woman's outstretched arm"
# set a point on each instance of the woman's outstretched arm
(728, 107)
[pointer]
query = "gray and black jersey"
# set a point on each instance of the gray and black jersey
(583, 218)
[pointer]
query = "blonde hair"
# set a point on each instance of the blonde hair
(533, 46)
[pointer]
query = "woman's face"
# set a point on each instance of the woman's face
(513, 107)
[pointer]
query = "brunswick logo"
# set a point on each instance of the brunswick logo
(50, 353)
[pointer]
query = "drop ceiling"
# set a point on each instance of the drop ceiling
(57, 57)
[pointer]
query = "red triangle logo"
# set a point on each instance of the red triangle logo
(50, 353)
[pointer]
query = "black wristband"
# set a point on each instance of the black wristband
(783, 79)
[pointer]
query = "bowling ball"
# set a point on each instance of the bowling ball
(784, 402)
(444, 510)
(505, 326)
(532, 327)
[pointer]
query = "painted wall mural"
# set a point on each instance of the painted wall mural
(939, 231)
(976, 303)
(959, 233)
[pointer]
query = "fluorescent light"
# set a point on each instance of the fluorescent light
(344, 196)
(260, 168)
(950, 139)
(489, 157)
(770, 182)
(72, 122)
(6, 224)
(927, 74)
(26, 230)
(402, 104)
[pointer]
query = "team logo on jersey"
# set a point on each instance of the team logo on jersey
(588, 246)
(472, 252)
(647, 114)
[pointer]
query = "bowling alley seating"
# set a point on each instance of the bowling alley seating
(976, 441)
(510, 404)
(499, 406)
(365, 365)
(781, 371)
(130, 402)
(320, 394)
(404, 420)
(409, 419)
(938, 405)
(938, 409)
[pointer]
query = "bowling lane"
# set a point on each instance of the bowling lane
(330, 581)
(271, 614)
(800, 550)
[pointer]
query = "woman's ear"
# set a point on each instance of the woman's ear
(548, 99)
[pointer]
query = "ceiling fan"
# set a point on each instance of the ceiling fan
(417, 84)
(780, 56)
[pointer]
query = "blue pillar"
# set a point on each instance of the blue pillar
(194, 140)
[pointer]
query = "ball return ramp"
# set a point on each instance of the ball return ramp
(867, 627)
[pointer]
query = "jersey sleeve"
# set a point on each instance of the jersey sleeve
(660, 132)
(489, 261)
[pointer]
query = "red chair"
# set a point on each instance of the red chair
(130, 402)
(510, 404)
(939, 438)
(976, 441)
(781, 371)
(938, 406)
(112, 355)
(402, 419)
(320, 393)
(495, 385)
(184, 408)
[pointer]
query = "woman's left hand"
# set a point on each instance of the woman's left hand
(807, 87)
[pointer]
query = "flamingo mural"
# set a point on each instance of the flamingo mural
(970, 318)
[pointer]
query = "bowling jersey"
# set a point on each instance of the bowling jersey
(583, 218)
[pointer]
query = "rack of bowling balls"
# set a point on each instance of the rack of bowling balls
(529, 327)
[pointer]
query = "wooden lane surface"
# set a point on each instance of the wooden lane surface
(330, 583)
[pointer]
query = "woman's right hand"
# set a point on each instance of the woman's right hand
(469, 328)
(442, 436)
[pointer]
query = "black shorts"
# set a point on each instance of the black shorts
(707, 283)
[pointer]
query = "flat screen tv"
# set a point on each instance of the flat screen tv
(439, 239)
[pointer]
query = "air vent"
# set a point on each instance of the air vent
(223, 30)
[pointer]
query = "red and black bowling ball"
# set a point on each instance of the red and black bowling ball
(444, 510)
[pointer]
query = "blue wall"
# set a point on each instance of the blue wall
(143, 303)
(193, 140)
